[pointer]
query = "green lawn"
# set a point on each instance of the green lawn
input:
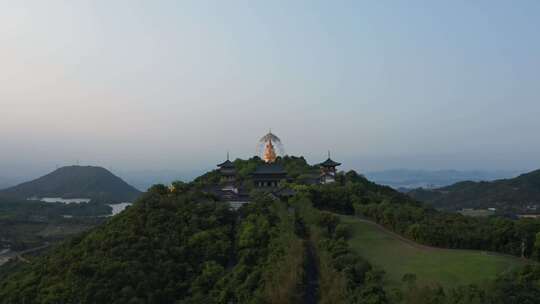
(448, 268)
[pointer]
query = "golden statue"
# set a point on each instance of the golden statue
(269, 155)
(269, 140)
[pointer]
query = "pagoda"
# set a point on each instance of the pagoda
(228, 175)
(328, 170)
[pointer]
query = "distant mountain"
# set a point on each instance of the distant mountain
(76, 182)
(5, 183)
(407, 178)
(10, 181)
(518, 194)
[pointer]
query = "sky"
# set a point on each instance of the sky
(174, 85)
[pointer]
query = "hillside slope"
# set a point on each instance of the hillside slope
(167, 248)
(506, 194)
(76, 182)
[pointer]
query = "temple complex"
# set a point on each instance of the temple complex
(269, 175)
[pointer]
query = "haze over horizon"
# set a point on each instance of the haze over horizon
(164, 85)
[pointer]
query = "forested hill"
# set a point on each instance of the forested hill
(505, 194)
(182, 245)
(76, 182)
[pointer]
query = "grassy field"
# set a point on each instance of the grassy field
(449, 268)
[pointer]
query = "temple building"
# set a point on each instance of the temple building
(228, 190)
(268, 176)
(328, 170)
(228, 175)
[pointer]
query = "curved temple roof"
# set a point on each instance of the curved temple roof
(269, 169)
(329, 163)
(226, 164)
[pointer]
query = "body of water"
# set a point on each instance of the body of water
(62, 200)
(117, 208)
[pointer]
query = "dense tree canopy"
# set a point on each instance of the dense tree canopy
(170, 246)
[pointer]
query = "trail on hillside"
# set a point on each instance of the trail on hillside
(311, 292)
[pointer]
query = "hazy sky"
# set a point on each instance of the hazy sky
(175, 84)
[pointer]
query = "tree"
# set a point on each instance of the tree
(328, 221)
(536, 250)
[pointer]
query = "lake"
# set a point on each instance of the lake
(64, 200)
(117, 208)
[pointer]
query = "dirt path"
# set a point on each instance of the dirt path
(311, 292)
(426, 247)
